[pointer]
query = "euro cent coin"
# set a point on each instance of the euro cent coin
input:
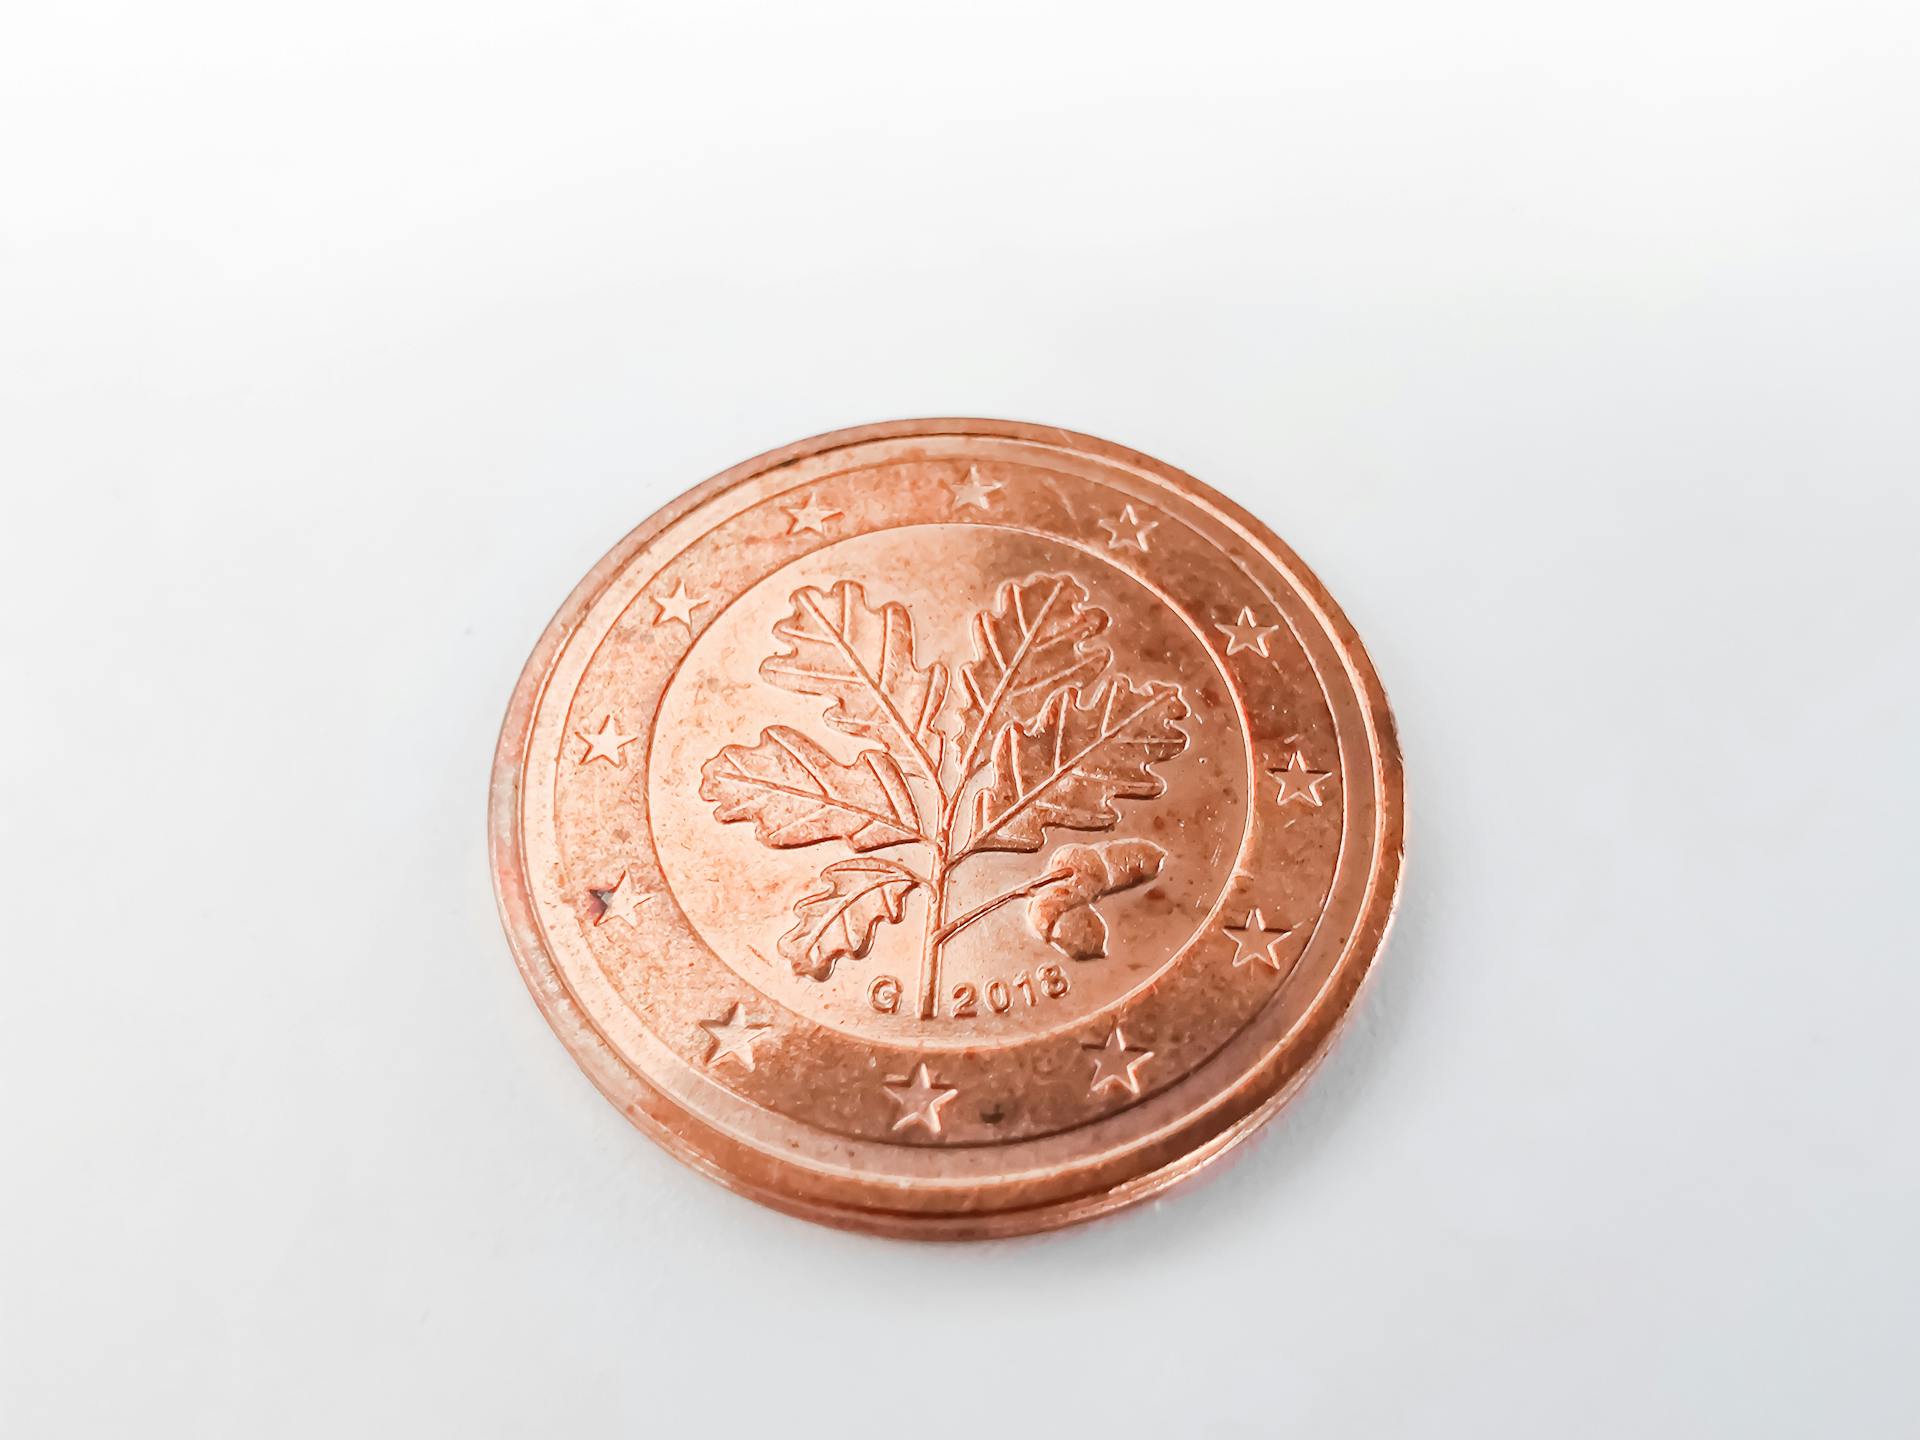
(948, 828)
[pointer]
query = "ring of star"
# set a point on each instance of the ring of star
(810, 516)
(733, 1037)
(677, 606)
(1129, 531)
(1254, 940)
(622, 902)
(1115, 1063)
(1298, 782)
(973, 490)
(605, 743)
(1244, 634)
(919, 1099)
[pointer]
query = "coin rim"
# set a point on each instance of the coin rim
(1254, 1099)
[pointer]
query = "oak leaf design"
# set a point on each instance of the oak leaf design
(837, 921)
(1070, 765)
(1037, 639)
(1045, 737)
(798, 794)
(860, 656)
(1062, 912)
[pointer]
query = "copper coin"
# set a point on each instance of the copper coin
(948, 828)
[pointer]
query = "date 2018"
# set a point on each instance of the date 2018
(1049, 982)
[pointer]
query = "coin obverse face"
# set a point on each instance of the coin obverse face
(947, 828)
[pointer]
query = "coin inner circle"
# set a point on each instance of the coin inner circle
(838, 929)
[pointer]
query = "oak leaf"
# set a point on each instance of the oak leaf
(1080, 755)
(837, 922)
(860, 656)
(1037, 639)
(796, 793)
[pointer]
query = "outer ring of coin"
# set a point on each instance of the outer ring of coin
(833, 1166)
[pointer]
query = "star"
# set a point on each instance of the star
(677, 606)
(810, 516)
(733, 1037)
(1255, 940)
(1245, 635)
(919, 1099)
(1297, 780)
(973, 490)
(623, 900)
(605, 744)
(1135, 531)
(1115, 1063)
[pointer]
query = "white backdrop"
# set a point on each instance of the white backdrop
(1573, 345)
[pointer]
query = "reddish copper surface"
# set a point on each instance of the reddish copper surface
(947, 828)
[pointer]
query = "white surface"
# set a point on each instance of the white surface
(1573, 345)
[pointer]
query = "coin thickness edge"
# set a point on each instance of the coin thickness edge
(948, 828)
